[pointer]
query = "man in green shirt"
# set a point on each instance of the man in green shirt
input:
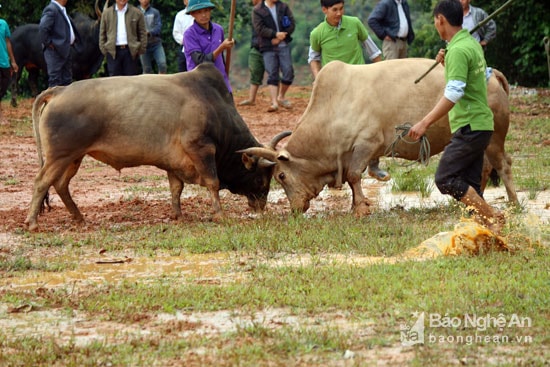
(470, 118)
(341, 37)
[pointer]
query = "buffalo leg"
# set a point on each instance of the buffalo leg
(360, 204)
(39, 193)
(62, 188)
(176, 187)
(503, 164)
(33, 80)
(45, 178)
(14, 88)
(203, 159)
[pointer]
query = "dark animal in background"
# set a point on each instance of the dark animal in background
(27, 50)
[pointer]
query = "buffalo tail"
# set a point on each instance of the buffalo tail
(38, 106)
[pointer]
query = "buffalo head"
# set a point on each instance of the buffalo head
(291, 173)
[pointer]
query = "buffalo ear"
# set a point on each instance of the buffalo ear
(249, 161)
(283, 156)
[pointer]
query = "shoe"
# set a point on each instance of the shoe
(379, 174)
(273, 108)
(285, 103)
(247, 102)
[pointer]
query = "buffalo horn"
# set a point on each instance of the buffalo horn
(273, 143)
(269, 154)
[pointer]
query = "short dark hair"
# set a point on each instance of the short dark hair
(329, 3)
(451, 10)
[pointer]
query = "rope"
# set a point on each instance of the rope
(401, 132)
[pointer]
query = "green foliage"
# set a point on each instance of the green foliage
(518, 50)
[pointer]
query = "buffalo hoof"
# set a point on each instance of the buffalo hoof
(32, 225)
(13, 103)
(362, 210)
(177, 217)
(218, 217)
(379, 174)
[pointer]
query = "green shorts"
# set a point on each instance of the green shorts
(256, 66)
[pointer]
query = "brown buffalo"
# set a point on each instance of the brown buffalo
(185, 124)
(351, 119)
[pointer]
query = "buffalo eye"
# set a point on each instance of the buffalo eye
(282, 176)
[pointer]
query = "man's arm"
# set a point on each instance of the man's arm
(314, 61)
(46, 24)
(454, 90)
(372, 50)
(158, 24)
(375, 20)
(142, 33)
(489, 32)
(177, 31)
(14, 65)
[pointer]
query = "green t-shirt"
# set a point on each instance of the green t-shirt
(464, 61)
(340, 43)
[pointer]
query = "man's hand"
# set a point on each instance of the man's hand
(227, 44)
(417, 130)
(440, 57)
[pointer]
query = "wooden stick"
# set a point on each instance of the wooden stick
(230, 35)
(479, 25)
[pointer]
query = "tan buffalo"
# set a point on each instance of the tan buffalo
(351, 119)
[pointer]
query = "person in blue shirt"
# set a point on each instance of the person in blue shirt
(7, 63)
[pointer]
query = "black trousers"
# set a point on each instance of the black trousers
(122, 64)
(462, 162)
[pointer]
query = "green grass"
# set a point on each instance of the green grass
(414, 177)
(336, 306)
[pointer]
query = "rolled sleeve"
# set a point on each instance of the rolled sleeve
(313, 55)
(372, 49)
(454, 90)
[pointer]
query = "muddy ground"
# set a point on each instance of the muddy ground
(104, 195)
(101, 192)
(138, 196)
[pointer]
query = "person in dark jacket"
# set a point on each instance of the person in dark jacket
(391, 22)
(57, 33)
(154, 50)
(274, 23)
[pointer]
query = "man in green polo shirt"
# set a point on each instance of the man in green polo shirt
(341, 37)
(470, 118)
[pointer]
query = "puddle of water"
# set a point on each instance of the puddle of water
(207, 268)
(384, 199)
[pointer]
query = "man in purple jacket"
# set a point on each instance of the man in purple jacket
(204, 40)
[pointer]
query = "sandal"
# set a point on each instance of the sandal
(285, 103)
(273, 108)
(247, 102)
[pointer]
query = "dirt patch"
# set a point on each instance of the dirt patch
(137, 196)
(106, 196)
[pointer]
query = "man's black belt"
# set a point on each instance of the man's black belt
(402, 38)
(122, 46)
